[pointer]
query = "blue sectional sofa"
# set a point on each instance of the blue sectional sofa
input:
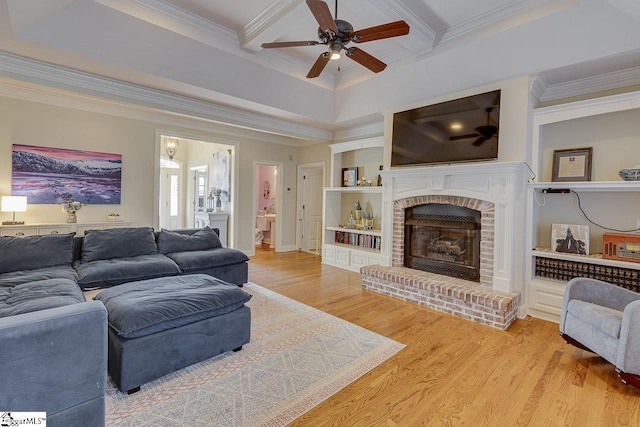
(54, 343)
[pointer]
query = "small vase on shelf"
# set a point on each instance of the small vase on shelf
(70, 207)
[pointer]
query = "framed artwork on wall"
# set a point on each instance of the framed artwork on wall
(350, 177)
(221, 173)
(572, 165)
(48, 175)
(569, 238)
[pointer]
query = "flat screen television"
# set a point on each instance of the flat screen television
(460, 130)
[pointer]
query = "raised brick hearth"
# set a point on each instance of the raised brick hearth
(461, 298)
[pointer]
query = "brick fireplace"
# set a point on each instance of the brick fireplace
(495, 191)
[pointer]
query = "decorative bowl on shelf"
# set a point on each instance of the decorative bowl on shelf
(632, 174)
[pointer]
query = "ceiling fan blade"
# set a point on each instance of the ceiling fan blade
(319, 65)
(366, 60)
(289, 44)
(478, 142)
(322, 14)
(467, 136)
(384, 31)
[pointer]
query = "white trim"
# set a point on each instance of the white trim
(27, 70)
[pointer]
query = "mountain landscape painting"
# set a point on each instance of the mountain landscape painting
(49, 175)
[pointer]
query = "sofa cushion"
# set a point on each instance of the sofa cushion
(25, 276)
(200, 260)
(118, 243)
(603, 319)
(171, 241)
(110, 272)
(146, 307)
(31, 252)
(39, 295)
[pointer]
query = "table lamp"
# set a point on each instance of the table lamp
(13, 204)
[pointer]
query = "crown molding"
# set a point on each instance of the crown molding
(270, 16)
(23, 69)
(600, 83)
(538, 86)
(421, 37)
(489, 17)
(218, 132)
(216, 31)
(370, 130)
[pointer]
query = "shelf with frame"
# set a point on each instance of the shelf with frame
(611, 125)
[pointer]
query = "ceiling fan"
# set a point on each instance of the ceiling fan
(485, 132)
(336, 34)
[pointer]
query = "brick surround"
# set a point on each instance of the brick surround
(461, 298)
(487, 210)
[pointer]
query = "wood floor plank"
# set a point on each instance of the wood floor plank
(452, 371)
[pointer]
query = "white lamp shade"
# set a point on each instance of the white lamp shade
(14, 204)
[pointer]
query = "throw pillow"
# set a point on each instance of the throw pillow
(32, 252)
(118, 243)
(171, 241)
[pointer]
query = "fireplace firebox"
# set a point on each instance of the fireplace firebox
(443, 239)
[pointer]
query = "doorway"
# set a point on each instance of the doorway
(187, 170)
(309, 212)
(267, 202)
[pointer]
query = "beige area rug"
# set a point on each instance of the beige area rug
(298, 356)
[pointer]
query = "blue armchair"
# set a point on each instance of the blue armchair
(604, 319)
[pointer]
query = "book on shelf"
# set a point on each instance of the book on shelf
(356, 239)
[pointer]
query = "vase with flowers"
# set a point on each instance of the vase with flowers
(70, 207)
(217, 193)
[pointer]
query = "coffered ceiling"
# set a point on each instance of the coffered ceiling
(210, 50)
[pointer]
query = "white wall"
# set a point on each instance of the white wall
(31, 123)
(35, 123)
(515, 118)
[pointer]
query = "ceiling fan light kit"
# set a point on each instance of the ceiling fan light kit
(336, 34)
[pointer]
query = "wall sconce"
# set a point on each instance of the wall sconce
(13, 204)
(172, 147)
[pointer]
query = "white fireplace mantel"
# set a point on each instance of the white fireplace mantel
(500, 183)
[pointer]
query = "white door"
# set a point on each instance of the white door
(171, 198)
(311, 240)
(199, 192)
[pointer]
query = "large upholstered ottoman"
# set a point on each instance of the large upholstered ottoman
(158, 326)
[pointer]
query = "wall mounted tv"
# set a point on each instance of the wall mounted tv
(460, 130)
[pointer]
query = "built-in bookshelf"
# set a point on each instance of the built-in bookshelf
(352, 248)
(609, 126)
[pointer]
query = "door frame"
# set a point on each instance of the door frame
(279, 168)
(235, 176)
(301, 171)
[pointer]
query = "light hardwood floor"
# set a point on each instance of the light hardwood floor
(452, 372)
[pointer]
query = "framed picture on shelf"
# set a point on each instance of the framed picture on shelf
(350, 177)
(572, 165)
(569, 238)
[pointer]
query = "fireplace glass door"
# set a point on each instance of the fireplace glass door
(448, 245)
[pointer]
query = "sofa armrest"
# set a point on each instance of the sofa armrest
(629, 345)
(54, 360)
